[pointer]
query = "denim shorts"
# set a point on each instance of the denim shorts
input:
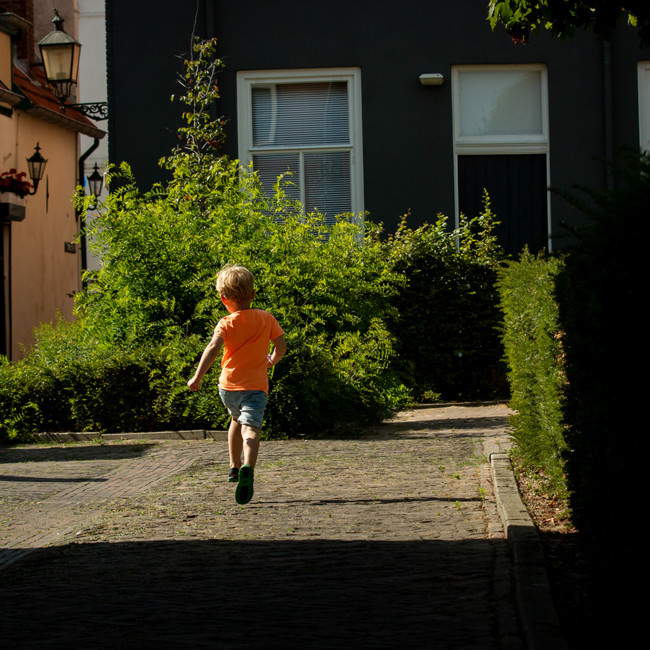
(245, 406)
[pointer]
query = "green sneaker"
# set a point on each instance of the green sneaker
(244, 490)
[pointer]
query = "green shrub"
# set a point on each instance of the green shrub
(533, 349)
(448, 318)
(72, 382)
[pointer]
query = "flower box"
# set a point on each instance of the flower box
(12, 207)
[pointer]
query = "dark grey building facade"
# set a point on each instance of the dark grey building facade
(388, 107)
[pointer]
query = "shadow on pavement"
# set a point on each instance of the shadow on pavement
(481, 424)
(9, 478)
(255, 594)
(44, 453)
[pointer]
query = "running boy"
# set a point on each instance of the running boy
(246, 334)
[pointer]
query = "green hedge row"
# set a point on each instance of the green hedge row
(71, 383)
(576, 346)
(536, 374)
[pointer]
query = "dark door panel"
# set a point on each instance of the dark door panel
(517, 187)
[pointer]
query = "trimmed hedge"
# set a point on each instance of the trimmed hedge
(536, 374)
(72, 383)
(576, 345)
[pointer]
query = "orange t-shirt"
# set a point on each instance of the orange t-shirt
(246, 335)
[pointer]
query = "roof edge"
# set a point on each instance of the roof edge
(9, 97)
(61, 119)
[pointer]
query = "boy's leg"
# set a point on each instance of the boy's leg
(252, 413)
(235, 443)
(251, 444)
(250, 438)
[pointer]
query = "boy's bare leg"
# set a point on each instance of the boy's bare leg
(250, 437)
(235, 443)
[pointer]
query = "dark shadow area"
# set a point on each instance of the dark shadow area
(386, 429)
(233, 594)
(414, 429)
(46, 453)
(595, 610)
(4, 478)
(568, 577)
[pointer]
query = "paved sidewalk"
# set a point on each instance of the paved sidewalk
(395, 537)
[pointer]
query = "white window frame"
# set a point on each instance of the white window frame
(537, 143)
(246, 80)
(643, 76)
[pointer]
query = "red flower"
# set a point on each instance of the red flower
(15, 182)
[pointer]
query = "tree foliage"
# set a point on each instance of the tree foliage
(522, 18)
(447, 314)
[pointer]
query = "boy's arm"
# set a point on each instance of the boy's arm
(279, 349)
(208, 357)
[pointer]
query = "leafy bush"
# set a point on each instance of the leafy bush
(326, 285)
(536, 372)
(448, 318)
(72, 382)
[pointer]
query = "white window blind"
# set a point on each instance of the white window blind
(310, 128)
(500, 108)
(500, 102)
(307, 114)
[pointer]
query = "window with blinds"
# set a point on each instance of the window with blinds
(308, 124)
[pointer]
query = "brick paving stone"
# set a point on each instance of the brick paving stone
(385, 538)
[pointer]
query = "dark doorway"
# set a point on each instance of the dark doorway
(517, 187)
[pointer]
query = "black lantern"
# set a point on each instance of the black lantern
(36, 167)
(60, 54)
(95, 182)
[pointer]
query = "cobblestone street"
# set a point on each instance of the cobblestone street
(385, 539)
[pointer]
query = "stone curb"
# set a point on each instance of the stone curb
(536, 608)
(90, 436)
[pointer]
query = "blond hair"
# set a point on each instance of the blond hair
(236, 283)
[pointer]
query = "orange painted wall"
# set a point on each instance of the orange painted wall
(44, 277)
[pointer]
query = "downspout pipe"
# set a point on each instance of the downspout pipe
(82, 217)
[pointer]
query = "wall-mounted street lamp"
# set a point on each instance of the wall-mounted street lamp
(36, 167)
(60, 53)
(14, 188)
(95, 182)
